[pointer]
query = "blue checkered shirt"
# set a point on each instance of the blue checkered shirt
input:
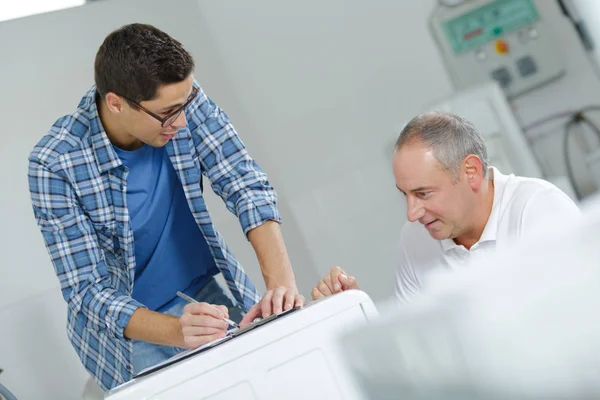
(78, 190)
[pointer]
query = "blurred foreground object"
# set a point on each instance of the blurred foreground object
(525, 325)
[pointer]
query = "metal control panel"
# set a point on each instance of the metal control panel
(502, 40)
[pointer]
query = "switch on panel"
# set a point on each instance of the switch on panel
(501, 46)
(502, 76)
(480, 54)
(526, 66)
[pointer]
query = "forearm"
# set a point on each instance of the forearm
(153, 327)
(272, 255)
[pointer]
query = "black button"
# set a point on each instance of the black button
(502, 76)
(526, 66)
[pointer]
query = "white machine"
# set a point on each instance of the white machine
(293, 356)
(486, 106)
(585, 16)
(593, 164)
(522, 326)
(503, 40)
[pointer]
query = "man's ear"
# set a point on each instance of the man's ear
(473, 170)
(114, 102)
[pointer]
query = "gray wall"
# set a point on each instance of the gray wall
(316, 90)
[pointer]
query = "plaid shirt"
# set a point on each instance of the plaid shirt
(78, 190)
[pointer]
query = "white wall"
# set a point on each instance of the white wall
(24, 8)
(316, 90)
(323, 84)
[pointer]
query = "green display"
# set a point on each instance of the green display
(486, 23)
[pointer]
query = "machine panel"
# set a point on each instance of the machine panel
(503, 40)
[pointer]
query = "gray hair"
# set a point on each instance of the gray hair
(450, 137)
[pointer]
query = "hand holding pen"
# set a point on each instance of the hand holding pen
(202, 323)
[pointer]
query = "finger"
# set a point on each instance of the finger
(277, 300)
(266, 303)
(316, 294)
(330, 284)
(193, 342)
(202, 321)
(344, 281)
(352, 283)
(289, 299)
(349, 282)
(336, 273)
(251, 315)
(203, 308)
(324, 289)
(200, 330)
(224, 310)
(299, 301)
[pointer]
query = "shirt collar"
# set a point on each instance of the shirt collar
(106, 157)
(490, 232)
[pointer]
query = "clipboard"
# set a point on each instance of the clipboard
(211, 345)
(261, 322)
(183, 356)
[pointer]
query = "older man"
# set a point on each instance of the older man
(458, 207)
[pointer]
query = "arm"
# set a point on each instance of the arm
(233, 174)
(247, 193)
(154, 327)
(276, 267)
(86, 279)
(200, 323)
(275, 264)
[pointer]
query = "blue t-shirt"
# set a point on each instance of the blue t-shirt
(170, 251)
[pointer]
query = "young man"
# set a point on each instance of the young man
(116, 189)
(458, 208)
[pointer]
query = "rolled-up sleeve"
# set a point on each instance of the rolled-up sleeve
(233, 174)
(86, 280)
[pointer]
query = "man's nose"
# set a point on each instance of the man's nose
(180, 121)
(414, 210)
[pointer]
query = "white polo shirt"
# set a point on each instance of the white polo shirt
(521, 207)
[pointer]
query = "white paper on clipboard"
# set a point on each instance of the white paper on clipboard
(185, 354)
(231, 334)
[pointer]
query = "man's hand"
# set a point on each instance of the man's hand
(274, 301)
(202, 323)
(336, 281)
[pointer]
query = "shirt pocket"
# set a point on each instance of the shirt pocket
(108, 239)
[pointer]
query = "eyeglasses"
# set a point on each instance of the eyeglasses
(169, 119)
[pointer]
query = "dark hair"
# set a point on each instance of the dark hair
(136, 59)
(450, 137)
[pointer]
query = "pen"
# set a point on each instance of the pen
(192, 300)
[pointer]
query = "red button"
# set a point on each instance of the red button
(501, 46)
